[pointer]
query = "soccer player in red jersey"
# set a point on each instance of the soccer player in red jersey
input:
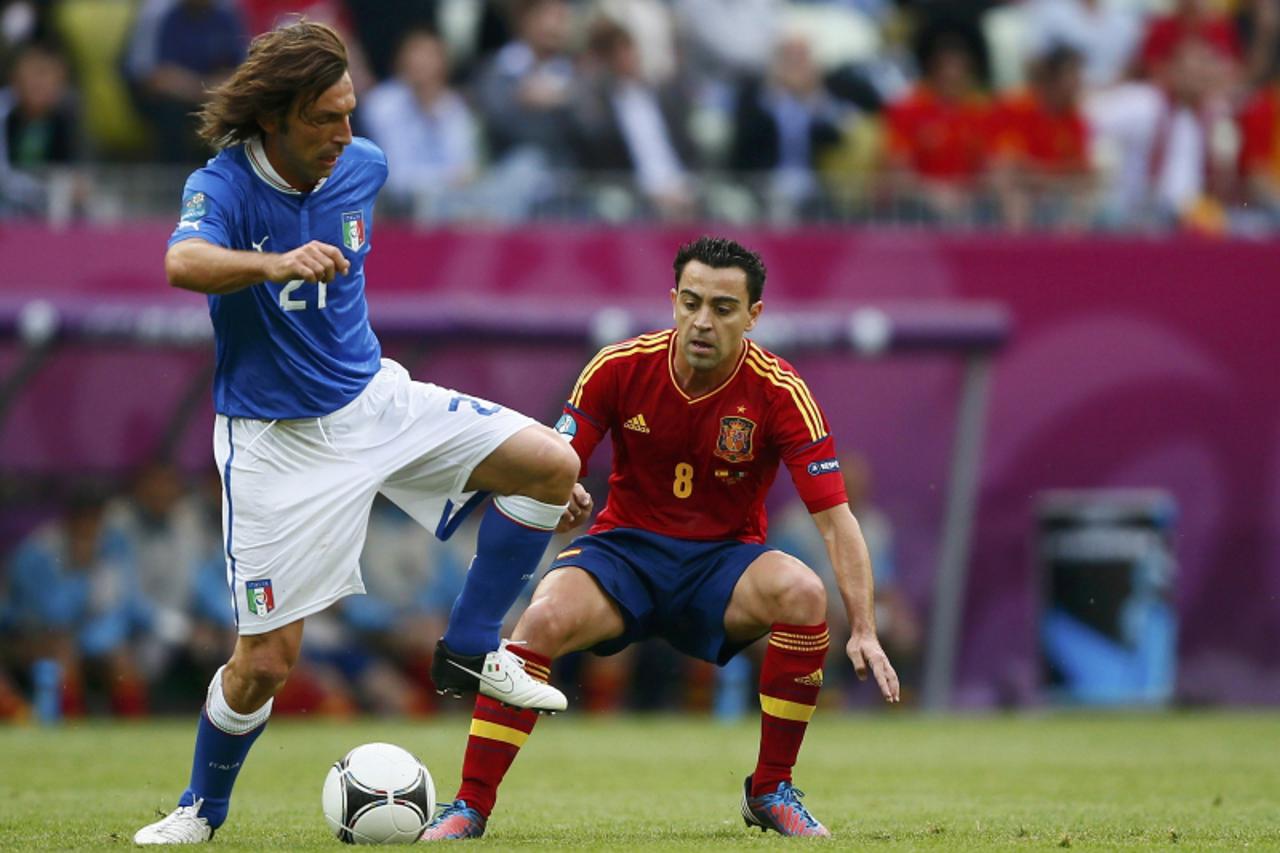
(700, 418)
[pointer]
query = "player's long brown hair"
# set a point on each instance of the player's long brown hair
(294, 64)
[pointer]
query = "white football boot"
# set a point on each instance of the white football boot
(503, 677)
(181, 826)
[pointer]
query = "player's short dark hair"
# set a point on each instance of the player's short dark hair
(722, 253)
(292, 65)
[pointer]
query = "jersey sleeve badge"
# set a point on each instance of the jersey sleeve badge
(567, 426)
(823, 466)
(734, 442)
(194, 208)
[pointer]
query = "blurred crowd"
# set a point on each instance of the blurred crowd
(118, 603)
(125, 598)
(1024, 114)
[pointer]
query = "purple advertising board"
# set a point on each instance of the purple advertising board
(1133, 363)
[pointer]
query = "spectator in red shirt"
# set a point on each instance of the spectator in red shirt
(1041, 159)
(1260, 150)
(938, 134)
(1189, 19)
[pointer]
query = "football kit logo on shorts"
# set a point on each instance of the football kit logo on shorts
(734, 442)
(261, 600)
(353, 229)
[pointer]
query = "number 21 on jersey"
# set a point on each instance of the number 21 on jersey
(288, 303)
(682, 486)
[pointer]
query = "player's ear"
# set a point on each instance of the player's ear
(272, 122)
(753, 314)
(673, 302)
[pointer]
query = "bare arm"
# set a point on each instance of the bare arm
(199, 265)
(852, 564)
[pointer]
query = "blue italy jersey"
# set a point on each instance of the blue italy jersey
(294, 349)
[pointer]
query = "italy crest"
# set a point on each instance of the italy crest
(353, 229)
(734, 442)
(260, 598)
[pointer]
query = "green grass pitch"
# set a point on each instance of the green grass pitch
(1184, 781)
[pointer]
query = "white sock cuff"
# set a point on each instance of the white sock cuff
(529, 512)
(226, 719)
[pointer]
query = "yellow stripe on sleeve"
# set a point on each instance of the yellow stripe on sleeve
(813, 424)
(800, 391)
(643, 344)
(785, 710)
(493, 731)
(771, 362)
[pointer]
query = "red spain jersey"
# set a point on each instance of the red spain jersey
(1026, 130)
(939, 139)
(699, 467)
(1260, 129)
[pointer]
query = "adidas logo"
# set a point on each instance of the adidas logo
(813, 679)
(636, 423)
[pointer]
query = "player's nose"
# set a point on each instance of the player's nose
(344, 132)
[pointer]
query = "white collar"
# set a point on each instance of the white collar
(256, 153)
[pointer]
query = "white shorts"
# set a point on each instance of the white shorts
(297, 493)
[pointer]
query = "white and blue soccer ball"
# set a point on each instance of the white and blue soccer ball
(378, 794)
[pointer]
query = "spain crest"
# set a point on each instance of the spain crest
(734, 441)
(353, 230)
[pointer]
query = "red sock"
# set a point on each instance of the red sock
(497, 733)
(790, 678)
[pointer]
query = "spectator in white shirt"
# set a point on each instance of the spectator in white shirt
(425, 128)
(1161, 147)
(1106, 34)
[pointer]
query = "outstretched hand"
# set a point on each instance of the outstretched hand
(578, 511)
(865, 653)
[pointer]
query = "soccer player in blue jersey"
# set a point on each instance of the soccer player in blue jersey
(312, 422)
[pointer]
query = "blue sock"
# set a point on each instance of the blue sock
(218, 758)
(507, 554)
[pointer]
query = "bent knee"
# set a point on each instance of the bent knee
(556, 466)
(568, 613)
(267, 668)
(801, 598)
(550, 628)
(544, 624)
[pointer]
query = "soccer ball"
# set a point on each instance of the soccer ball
(378, 794)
